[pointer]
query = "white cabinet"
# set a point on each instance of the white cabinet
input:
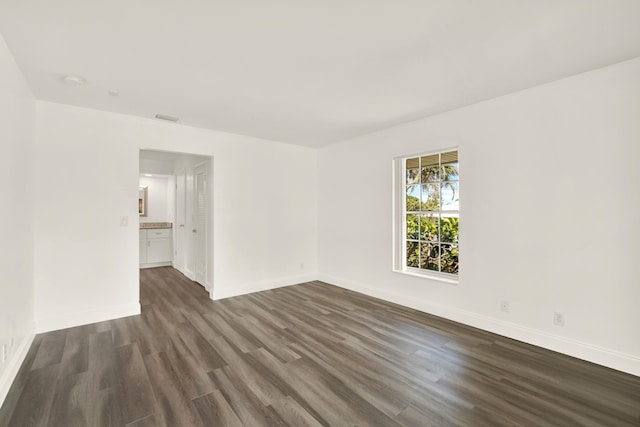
(156, 247)
(159, 246)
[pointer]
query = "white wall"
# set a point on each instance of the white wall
(17, 115)
(163, 167)
(160, 199)
(86, 264)
(560, 162)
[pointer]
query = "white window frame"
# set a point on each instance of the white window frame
(399, 214)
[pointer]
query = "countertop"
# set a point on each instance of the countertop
(145, 225)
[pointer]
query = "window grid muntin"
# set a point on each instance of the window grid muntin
(418, 180)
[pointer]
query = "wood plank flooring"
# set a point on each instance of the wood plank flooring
(305, 355)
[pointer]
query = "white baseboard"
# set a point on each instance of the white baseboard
(70, 320)
(602, 356)
(261, 286)
(190, 274)
(156, 264)
(13, 365)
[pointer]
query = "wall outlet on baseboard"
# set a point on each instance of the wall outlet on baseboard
(504, 306)
(558, 319)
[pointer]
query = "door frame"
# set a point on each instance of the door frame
(189, 162)
(201, 167)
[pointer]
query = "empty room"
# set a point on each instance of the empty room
(320, 213)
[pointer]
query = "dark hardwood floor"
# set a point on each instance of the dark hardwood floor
(305, 355)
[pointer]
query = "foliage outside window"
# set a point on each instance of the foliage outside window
(431, 210)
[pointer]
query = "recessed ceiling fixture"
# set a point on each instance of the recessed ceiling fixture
(113, 92)
(73, 80)
(166, 117)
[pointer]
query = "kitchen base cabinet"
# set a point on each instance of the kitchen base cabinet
(156, 247)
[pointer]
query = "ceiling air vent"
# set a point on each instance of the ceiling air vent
(166, 117)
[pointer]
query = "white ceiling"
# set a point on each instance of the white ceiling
(309, 72)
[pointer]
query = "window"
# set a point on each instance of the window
(427, 216)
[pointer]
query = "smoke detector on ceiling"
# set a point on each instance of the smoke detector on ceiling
(166, 117)
(73, 80)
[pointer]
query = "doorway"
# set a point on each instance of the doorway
(188, 211)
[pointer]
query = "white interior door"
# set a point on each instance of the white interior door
(200, 223)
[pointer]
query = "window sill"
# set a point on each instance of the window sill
(453, 280)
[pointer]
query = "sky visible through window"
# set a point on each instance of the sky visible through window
(450, 199)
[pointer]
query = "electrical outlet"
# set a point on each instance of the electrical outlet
(558, 319)
(302, 266)
(504, 306)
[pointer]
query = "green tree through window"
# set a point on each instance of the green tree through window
(431, 205)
